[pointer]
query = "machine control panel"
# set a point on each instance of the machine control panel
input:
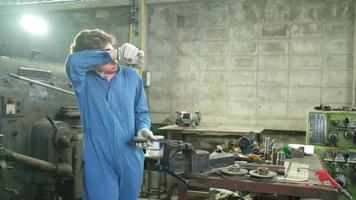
(332, 131)
(317, 128)
(332, 128)
(12, 106)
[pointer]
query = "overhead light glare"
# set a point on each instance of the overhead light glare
(34, 24)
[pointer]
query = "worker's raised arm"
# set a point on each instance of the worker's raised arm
(78, 63)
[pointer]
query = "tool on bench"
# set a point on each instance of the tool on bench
(323, 176)
(196, 161)
(140, 140)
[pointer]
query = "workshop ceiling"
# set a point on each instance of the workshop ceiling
(10, 6)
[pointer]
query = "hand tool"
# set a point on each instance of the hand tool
(323, 176)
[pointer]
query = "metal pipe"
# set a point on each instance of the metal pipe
(38, 2)
(133, 20)
(61, 169)
(142, 34)
(354, 62)
(247, 140)
(41, 84)
(142, 21)
(33, 162)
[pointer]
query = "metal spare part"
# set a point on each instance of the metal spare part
(262, 172)
(234, 170)
(281, 157)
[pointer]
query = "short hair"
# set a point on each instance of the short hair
(91, 39)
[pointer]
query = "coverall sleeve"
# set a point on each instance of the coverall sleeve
(142, 118)
(78, 63)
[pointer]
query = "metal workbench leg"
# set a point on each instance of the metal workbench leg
(168, 179)
(182, 191)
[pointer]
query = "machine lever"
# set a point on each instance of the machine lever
(11, 191)
(52, 122)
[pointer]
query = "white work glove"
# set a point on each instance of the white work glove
(145, 133)
(129, 54)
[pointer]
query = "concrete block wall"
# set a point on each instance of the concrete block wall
(249, 63)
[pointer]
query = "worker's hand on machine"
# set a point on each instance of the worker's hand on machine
(129, 54)
(145, 133)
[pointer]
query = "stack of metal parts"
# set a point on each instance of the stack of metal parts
(221, 159)
(270, 166)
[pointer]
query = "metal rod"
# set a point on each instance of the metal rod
(38, 2)
(353, 101)
(41, 84)
(33, 162)
(60, 169)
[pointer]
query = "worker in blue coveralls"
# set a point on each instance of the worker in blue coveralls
(113, 110)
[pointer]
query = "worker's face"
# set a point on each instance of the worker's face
(110, 67)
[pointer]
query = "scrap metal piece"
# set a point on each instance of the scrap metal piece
(280, 169)
(263, 172)
(281, 157)
(267, 144)
(234, 170)
(221, 159)
(247, 143)
(297, 153)
(274, 155)
(223, 194)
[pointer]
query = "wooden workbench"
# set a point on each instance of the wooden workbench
(203, 132)
(310, 188)
(210, 130)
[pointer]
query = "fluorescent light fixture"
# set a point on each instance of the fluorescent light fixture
(34, 24)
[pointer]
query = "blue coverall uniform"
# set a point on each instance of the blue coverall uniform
(112, 113)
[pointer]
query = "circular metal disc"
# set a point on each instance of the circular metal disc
(227, 171)
(256, 174)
